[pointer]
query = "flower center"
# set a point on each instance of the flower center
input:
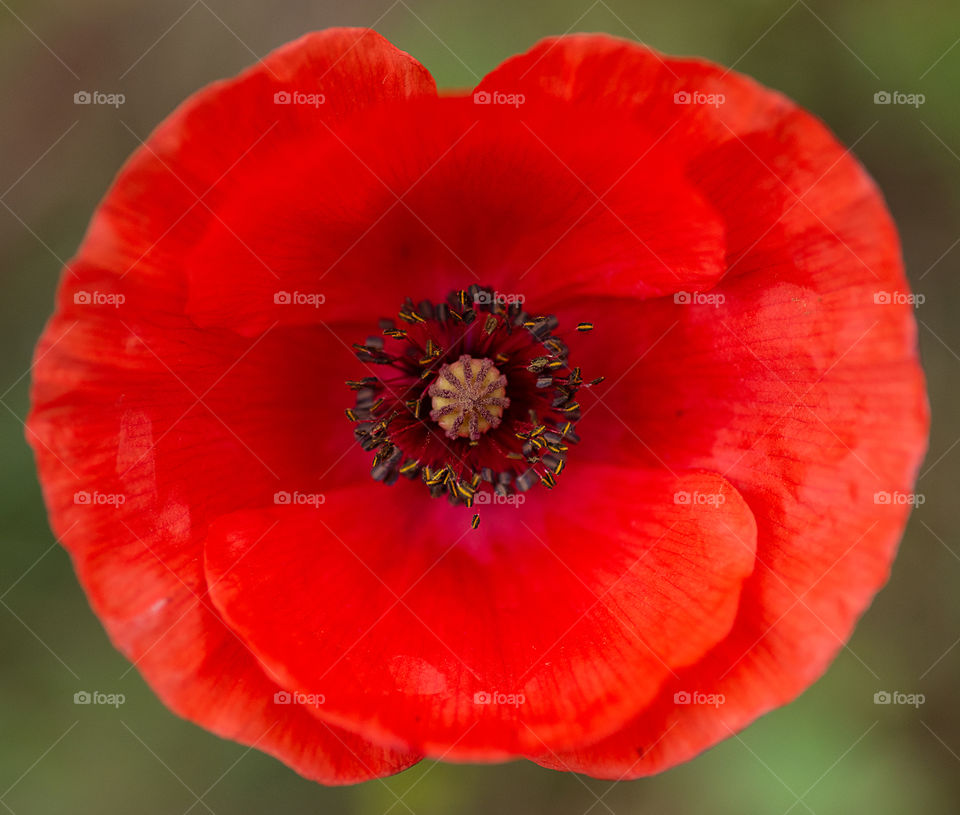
(468, 397)
(435, 406)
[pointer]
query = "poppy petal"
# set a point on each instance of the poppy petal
(796, 377)
(459, 194)
(408, 622)
(146, 428)
(690, 103)
(166, 196)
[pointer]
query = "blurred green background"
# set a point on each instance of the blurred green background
(832, 751)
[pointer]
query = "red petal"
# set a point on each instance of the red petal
(398, 614)
(799, 387)
(166, 196)
(139, 566)
(116, 413)
(602, 74)
(460, 193)
(134, 401)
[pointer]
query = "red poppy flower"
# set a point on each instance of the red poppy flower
(661, 556)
